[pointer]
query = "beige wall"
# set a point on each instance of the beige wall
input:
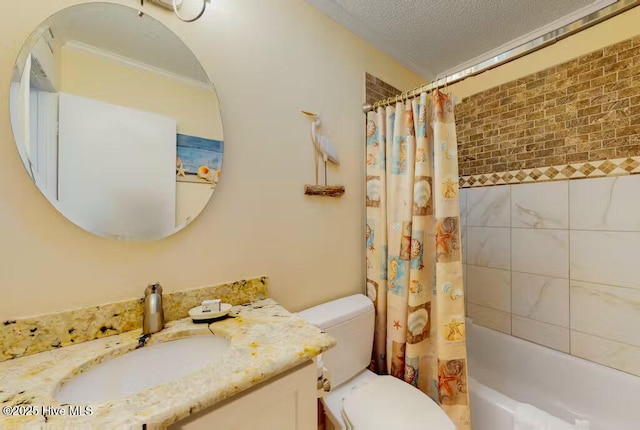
(268, 61)
(621, 27)
(195, 109)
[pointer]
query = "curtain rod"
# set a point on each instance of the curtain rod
(514, 53)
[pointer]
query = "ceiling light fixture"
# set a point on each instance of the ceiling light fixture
(175, 6)
(175, 10)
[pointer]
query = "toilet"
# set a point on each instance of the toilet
(359, 399)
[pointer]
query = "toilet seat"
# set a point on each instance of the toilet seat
(388, 403)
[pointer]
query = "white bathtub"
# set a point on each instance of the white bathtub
(504, 369)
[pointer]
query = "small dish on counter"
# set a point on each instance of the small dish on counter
(200, 316)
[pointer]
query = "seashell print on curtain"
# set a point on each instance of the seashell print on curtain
(414, 269)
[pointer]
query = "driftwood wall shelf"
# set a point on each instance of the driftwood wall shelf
(324, 190)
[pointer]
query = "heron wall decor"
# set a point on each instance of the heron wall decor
(326, 152)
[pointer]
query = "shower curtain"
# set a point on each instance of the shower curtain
(413, 258)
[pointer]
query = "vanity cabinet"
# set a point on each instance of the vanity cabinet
(287, 402)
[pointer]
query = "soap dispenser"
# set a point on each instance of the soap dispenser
(153, 319)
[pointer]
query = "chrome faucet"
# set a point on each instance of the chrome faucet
(153, 318)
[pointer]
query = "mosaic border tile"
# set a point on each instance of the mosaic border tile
(45, 332)
(563, 172)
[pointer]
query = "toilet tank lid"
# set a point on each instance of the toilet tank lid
(337, 311)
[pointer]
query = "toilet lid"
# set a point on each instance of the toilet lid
(389, 403)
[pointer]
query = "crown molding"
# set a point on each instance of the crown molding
(135, 64)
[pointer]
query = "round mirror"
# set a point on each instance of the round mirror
(116, 122)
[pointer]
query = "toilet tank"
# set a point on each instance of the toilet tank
(350, 321)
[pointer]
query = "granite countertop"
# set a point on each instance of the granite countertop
(265, 340)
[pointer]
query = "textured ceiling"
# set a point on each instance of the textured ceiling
(119, 29)
(434, 36)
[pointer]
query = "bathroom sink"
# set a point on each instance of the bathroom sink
(142, 369)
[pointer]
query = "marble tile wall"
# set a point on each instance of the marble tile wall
(557, 263)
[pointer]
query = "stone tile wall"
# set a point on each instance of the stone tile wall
(377, 89)
(586, 109)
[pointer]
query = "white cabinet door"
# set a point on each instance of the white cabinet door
(288, 402)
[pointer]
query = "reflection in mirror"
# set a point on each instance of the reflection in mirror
(116, 122)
